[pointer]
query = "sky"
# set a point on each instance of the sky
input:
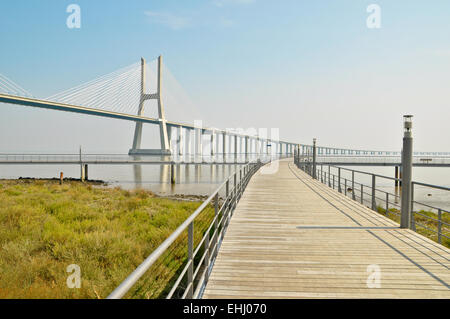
(309, 68)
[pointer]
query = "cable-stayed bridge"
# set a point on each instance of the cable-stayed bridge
(125, 94)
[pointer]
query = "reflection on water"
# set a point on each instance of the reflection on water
(198, 179)
(192, 179)
(192, 175)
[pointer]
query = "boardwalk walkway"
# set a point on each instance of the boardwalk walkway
(293, 237)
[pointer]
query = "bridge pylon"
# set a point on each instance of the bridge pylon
(164, 136)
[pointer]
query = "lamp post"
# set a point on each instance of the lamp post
(405, 221)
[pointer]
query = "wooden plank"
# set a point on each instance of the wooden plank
(294, 237)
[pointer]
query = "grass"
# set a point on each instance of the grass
(108, 232)
(425, 221)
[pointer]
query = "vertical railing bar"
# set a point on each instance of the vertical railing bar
(191, 260)
(339, 180)
(345, 186)
(373, 192)
(439, 226)
(387, 204)
(362, 194)
(412, 220)
(353, 185)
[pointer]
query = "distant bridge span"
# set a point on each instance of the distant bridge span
(125, 91)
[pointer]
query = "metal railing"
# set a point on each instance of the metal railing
(219, 158)
(381, 200)
(374, 160)
(201, 257)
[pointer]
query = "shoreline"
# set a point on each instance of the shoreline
(102, 183)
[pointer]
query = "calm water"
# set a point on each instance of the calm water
(190, 179)
(426, 195)
(204, 179)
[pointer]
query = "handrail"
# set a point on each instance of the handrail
(330, 179)
(231, 196)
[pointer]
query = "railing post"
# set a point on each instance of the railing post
(240, 183)
(339, 180)
(413, 222)
(314, 159)
(387, 204)
(190, 272)
(227, 194)
(374, 204)
(353, 185)
(172, 174)
(216, 221)
(333, 181)
(405, 221)
(345, 186)
(235, 189)
(362, 194)
(439, 226)
(329, 175)
(207, 254)
(227, 188)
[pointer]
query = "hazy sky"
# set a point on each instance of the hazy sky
(310, 68)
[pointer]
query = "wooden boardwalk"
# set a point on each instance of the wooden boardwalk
(293, 237)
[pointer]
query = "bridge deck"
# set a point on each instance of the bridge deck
(293, 237)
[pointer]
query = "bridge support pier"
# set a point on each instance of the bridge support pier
(198, 141)
(212, 143)
(164, 136)
(188, 142)
(180, 141)
(236, 146)
(224, 144)
(217, 143)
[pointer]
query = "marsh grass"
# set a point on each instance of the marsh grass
(108, 232)
(394, 214)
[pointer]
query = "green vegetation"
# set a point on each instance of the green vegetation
(430, 223)
(108, 232)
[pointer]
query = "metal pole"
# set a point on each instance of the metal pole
(86, 173)
(362, 194)
(314, 158)
(374, 205)
(387, 204)
(329, 176)
(216, 221)
(190, 274)
(413, 222)
(439, 226)
(353, 185)
(81, 168)
(172, 174)
(339, 180)
(405, 221)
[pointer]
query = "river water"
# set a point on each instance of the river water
(197, 179)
